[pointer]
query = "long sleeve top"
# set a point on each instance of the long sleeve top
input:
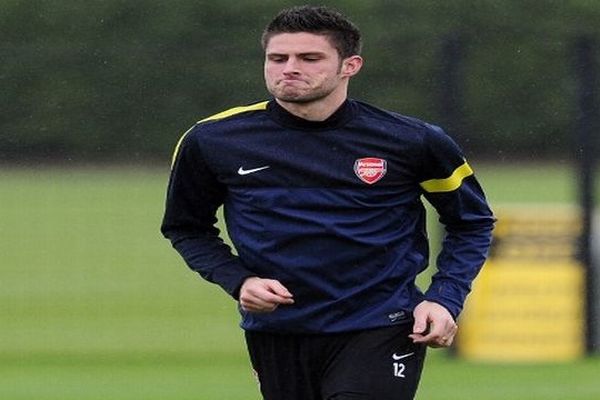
(332, 209)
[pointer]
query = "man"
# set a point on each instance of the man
(322, 201)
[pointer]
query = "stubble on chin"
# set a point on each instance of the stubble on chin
(297, 96)
(299, 99)
(290, 96)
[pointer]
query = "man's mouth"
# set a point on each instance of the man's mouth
(291, 80)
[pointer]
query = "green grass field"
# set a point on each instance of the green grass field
(94, 304)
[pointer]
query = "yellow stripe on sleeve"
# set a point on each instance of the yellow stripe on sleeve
(449, 184)
(227, 113)
(236, 110)
(178, 145)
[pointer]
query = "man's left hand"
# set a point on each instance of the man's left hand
(434, 325)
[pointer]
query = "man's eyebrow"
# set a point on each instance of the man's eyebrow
(304, 54)
(312, 53)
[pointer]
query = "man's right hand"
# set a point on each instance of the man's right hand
(259, 295)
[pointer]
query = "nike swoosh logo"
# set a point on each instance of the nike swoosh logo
(400, 357)
(243, 171)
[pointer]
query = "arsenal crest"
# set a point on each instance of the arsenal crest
(370, 169)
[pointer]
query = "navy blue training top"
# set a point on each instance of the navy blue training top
(332, 209)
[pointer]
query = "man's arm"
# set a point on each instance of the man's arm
(450, 186)
(193, 197)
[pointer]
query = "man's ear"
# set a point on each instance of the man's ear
(351, 66)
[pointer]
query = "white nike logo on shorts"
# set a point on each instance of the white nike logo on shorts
(400, 357)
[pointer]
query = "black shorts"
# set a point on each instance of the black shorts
(377, 364)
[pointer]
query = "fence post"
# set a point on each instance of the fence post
(451, 83)
(586, 152)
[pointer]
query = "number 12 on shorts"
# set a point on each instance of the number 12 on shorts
(399, 370)
(399, 367)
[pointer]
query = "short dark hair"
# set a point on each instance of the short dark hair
(320, 20)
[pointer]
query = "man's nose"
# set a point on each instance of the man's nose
(291, 66)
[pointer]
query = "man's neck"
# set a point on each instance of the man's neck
(318, 110)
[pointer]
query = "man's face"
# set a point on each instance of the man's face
(302, 67)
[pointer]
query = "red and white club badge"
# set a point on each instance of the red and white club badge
(370, 169)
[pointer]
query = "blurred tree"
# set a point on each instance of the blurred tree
(121, 79)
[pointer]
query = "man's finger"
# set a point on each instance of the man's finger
(263, 295)
(420, 327)
(271, 297)
(258, 306)
(278, 289)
